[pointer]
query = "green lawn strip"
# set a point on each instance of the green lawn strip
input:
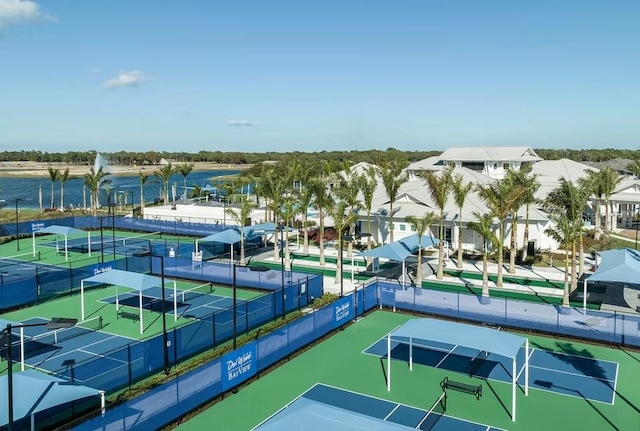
(338, 361)
(506, 279)
(497, 293)
(314, 270)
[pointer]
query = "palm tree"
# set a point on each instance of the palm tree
(63, 177)
(342, 219)
(499, 198)
(592, 183)
(564, 232)
(392, 178)
(92, 181)
(483, 225)
(305, 196)
(323, 202)
(420, 225)
(184, 170)
(528, 199)
(348, 190)
(460, 191)
(439, 184)
(609, 180)
(53, 175)
(634, 167)
(570, 200)
(368, 182)
(288, 210)
(164, 175)
(143, 180)
(240, 215)
(516, 180)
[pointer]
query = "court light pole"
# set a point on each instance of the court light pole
(281, 227)
(101, 240)
(17, 223)
(55, 323)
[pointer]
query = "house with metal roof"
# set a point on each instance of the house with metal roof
(490, 161)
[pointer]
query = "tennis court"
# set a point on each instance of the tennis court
(198, 302)
(60, 349)
(325, 407)
(561, 373)
(25, 265)
(137, 244)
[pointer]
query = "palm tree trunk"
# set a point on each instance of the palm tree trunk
(440, 274)
(390, 221)
(459, 262)
(485, 273)
(565, 297)
(574, 269)
(525, 240)
(607, 218)
(597, 221)
(514, 240)
(419, 267)
(581, 261)
(500, 254)
(305, 248)
(369, 259)
(321, 239)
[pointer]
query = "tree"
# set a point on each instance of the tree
(240, 215)
(143, 180)
(564, 232)
(323, 202)
(63, 177)
(483, 225)
(420, 225)
(348, 190)
(184, 170)
(460, 191)
(593, 184)
(499, 197)
(634, 167)
(305, 196)
(439, 184)
(393, 178)
(164, 175)
(342, 219)
(609, 180)
(53, 176)
(528, 199)
(368, 182)
(92, 181)
(570, 200)
(517, 180)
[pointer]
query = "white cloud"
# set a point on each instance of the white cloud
(125, 79)
(242, 123)
(19, 11)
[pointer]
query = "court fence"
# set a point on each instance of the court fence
(171, 401)
(610, 327)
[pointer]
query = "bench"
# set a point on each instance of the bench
(129, 315)
(462, 387)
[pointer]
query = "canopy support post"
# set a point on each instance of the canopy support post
(175, 301)
(21, 349)
(513, 390)
(34, 243)
(140, 304)
(66, 248)
(103, 403)
(410, 353)
(388, 362)
(526, 367)
(584, 296)
(82, 299)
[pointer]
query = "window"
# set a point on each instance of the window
(505, 166)
(413, 228)
(495, 166)
(403, 227)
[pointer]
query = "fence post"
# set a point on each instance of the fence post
(175, 347)
(246, 316)
(213, 322)
(129, 364)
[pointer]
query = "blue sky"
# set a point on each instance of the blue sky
(276, 75)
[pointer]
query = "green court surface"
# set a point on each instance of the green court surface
(69, 306)
(340, 362)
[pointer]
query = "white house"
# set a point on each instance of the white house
(490, 161)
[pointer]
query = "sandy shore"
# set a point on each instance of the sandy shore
(34, 169)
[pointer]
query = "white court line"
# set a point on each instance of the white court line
(100, 355)
(446, 356)
(85, 346)
(378, 340)
(615, 385)
(391, 412)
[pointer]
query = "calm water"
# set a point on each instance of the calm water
(27, 188)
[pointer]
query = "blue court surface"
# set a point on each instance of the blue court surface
(199, 305)
(325, 407)
(562, 373)
(75, 345)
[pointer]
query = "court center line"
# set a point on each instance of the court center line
(71, 351)
(100, 355)
(445, 356)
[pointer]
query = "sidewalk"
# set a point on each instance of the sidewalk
(552, 274)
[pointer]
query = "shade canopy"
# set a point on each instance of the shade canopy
(34, 392)
(401, 249)
(66, 231)
(618, 266)
(227, 236)
(476, 338)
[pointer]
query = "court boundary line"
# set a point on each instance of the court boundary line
(71, 351)
(376, 342)
(519, 385)
(89, 331)
(615, 385)
(399, 404)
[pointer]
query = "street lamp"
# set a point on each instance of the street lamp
(17, 224)
(53, 324)
(101, 240)
(281, 228)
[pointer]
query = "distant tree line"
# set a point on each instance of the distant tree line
(127, 158)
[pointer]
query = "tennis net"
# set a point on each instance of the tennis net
(194, 292)
(44, 340)
(19, 259)
(477, 361)
(434, 414)
(136, 242)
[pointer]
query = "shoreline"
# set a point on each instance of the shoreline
(41, 170)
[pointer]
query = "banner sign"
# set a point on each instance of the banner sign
(36, 226)
(99, 268)
(239, 365)
(342, 311)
